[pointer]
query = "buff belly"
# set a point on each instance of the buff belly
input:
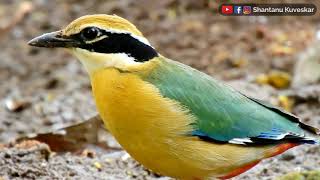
(153, 130)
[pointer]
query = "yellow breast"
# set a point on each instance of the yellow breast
(153, 129)
(143, 122)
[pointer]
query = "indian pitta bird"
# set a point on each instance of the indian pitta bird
(173, 119)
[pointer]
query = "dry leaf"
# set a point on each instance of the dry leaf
(281, 50)
(277, 79)
(262, 79)
(241, 62)
(75, 137)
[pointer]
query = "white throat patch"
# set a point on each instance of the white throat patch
(93, 61)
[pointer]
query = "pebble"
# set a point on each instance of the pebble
(67, 115)
(125, 157)
(287, 156)
(88, 153)
(108, 160)
(16, 105)
(52, 83)
(97, 165)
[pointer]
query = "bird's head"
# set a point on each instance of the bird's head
(101, 41)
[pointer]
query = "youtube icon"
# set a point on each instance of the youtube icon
(226, 9)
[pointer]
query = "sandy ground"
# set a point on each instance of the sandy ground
(53, 90)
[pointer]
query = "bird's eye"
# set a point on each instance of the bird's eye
(90, 33)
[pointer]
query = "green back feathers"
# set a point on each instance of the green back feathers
(223, 114)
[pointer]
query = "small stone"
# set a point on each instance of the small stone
(97, 165)
(38, 109)
(108, 160)
(88, 153)
(16, 105)
(52, 83)
(129, 173)
(47, 122)
(125, 157)
(50, 97)
(33, 51)
(260, 32)
(72, 174)
(43, 164)
(67, 115)
(287, 156)
(265, 171)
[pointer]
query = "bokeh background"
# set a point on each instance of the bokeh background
(271, 58)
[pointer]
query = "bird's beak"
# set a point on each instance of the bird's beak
(53, 40)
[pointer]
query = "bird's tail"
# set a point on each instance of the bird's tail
(312, 136)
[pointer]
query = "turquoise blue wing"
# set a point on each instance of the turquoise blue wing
(223, 114)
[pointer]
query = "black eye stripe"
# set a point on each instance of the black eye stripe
(116, 43)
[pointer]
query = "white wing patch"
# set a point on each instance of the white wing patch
(278, 137)
(240, 141)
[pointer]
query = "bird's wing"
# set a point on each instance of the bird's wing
(223, 114)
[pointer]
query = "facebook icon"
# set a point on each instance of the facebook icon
(237, 10)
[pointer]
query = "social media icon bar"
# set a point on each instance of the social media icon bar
(233, 10)
(268, 9)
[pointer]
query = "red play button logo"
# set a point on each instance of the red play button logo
(226, 9)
